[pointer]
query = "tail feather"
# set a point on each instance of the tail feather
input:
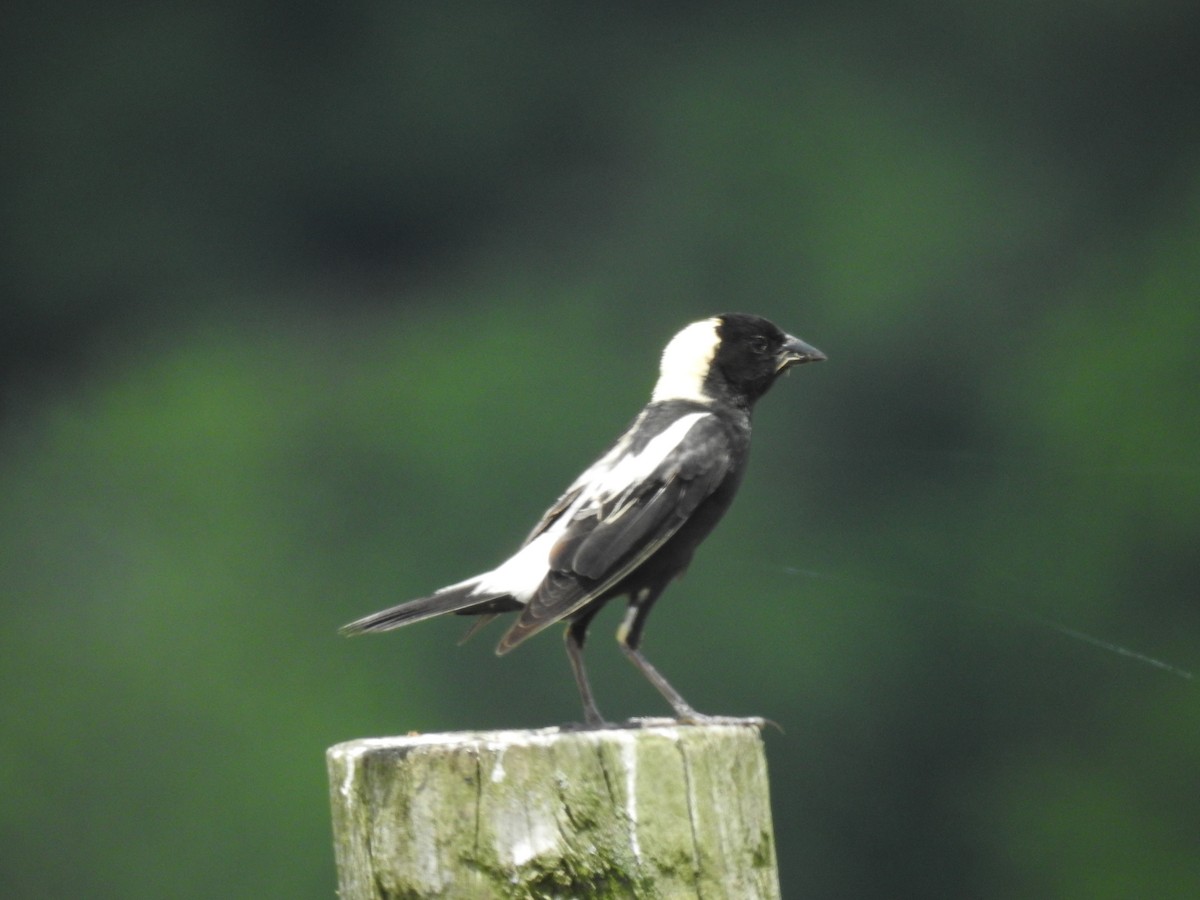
(456, 599)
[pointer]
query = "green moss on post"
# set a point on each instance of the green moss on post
(661, 810)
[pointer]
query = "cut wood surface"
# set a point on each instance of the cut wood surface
(658, 809)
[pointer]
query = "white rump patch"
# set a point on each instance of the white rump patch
(686, 361)
(522, 572)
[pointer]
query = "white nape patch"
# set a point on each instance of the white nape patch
(685, 363)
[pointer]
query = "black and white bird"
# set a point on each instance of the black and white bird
(630, 523)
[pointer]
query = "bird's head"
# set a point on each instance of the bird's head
(733, 357)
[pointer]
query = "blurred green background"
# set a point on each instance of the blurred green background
(311, 308)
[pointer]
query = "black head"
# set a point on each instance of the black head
(733, 357)
(753, 352)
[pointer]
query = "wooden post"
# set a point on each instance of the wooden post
(655, 810)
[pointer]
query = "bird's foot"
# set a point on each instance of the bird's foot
(692, 717)
(592, 720)
(596, 725)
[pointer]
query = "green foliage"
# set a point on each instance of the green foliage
(310, 312)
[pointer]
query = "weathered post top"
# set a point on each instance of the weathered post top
(659, 809)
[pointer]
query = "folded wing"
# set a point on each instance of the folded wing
(624, 519)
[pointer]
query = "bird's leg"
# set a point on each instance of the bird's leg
(575, 636)
(629, 636)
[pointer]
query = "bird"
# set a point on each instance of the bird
(630, 524)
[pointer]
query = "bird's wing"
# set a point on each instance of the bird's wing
(614, 529)
(589, 476)
(561, 505)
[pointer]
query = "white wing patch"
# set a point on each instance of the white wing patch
(614, 474)
(632, 469)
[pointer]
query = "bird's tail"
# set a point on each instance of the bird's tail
(459, 598)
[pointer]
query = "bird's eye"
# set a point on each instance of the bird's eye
(758, 344)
